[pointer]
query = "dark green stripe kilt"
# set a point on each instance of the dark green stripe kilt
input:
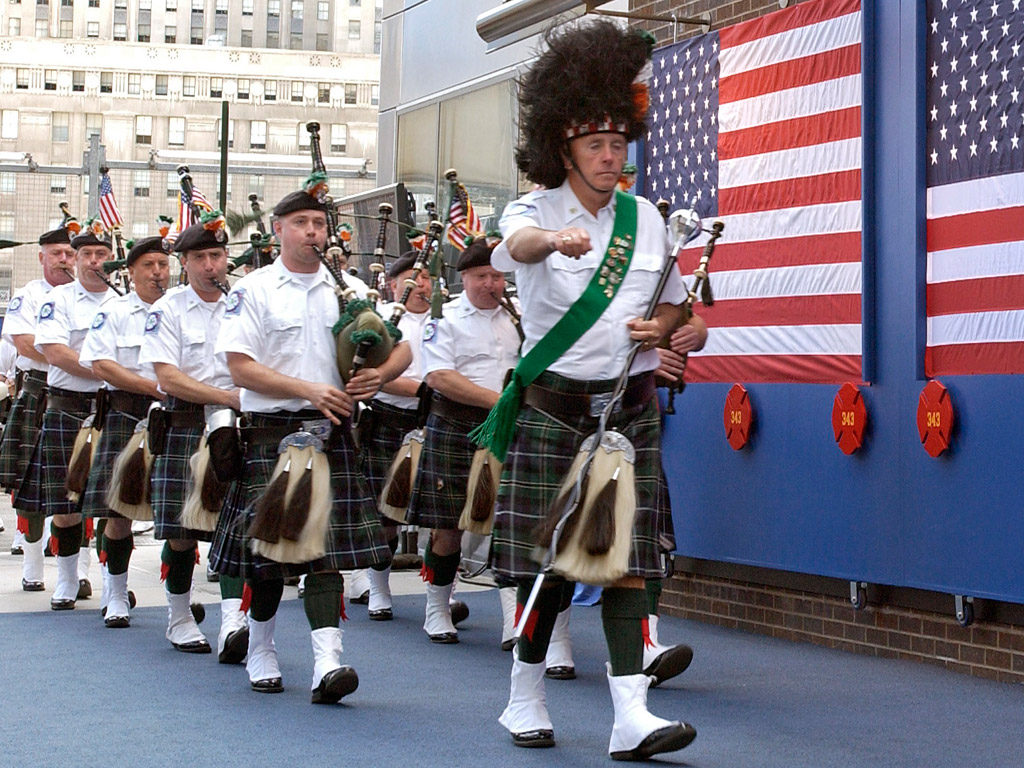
(43, 490)
(380, 442)
(443, 475)
(354, 540)
(171, 480)
(666, 528)
(18, 440)
(117, 431)
(538, 462)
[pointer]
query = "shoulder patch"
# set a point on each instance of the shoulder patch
(14, 306)
(46, 311)
(430, 330)
(153, 321)
(233, 305)
(99, 320)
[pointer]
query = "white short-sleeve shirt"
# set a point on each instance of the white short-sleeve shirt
(116, 334)
(481, 344)
(65, 317)
(548, 288)
(22, 313)
(411, 325)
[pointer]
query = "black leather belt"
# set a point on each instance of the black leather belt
(575, 405)
(34, 382)
(186, 419)
(403, 419)
(132, 403)
(272, 434)
(68, 400)
(447, 408)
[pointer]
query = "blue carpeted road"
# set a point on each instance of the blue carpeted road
(75, 695)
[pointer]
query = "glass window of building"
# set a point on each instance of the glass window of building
(354, 2)
(140, 183)
(145, 5)
(9, 124)
(106, 82)
(134, 83)
(170, 34)
(143, 33)
(42, 27)
(323, 10)
(196, 38)
(297, 9)
(140, 229)
(270, 90)
(257, 134)
(93, 125)
(247, 7)
(143, 129)
(231, 134)
(303, 137)
(273, 40)
(161, 85)
(351, 93)
(246, 39)
(216, 87)
(256, 185)
(120, 32)
(322, 42)
(121, 5)
(94, 3)
(14, 26)
(188, 85)
(66, 28)
(7, 224)
(376, 37)
(21, 79)
(171, 5)
(50, 80)
(176, 131)
(243, 89)
(67, 3)
(198, 6)
(339, 137)
(323, 93)
(7, 183)
(222, 7)
(375, 94)
(173, 184)
(58, 184)
(78, 81)
(273, 7)
(92, 29)
(60, 126)
(297, 91)
(354, 29)
(295, 41)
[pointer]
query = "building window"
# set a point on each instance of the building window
(22, 80)
(94, 3)
(140, 183)
(303, 136)
(7, 183)
(216, 87)
(9, 124)
(173, 184)
(93, 125)
(67, 3)
(198, 5)
(295, 42)
(256, 185)
(323, 10)
(231, 134)
(145, 5)
(7, 224)
(322, 43)
(297, 91)
(243, 89)
(161, 85)
(140, 229)
(134, 83)
(42, 28)
(273, 7)
(92, 29)
(143, 33)
(339, 137)
(188, 85)
(106, 82)
(60, 125)
(297, 9)
(247, 7)
(273, 40)
(170, 34)
(222, 7)
(246, 39)
(350, 93)
(50, 80)
(120, 31)
(66, 29)
(354, 2)
(172, 5)
(354, 31)
(176, 131)
(143, 129)
(323, 93)
(257, 134)
(121, 5)
(196, 38)
(376, 37)
(270, 90)
(78, 81)
(58, 184)
(14, 26)
(375, 94)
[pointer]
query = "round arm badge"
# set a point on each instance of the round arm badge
(99, 320)
(430, 330)
(153, 322)
(14, 306)
(233, 305)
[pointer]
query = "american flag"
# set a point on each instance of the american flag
(975, 180)
(109, 215)
(185, 217)
(761, 122)
(462, 223)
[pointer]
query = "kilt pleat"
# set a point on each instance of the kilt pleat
(117, 431)
(539, 460)
(380, 444)
(43, 489)
(443, 476)
(171, 479)
(19, 439)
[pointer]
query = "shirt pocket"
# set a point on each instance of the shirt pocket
(641, 282)
(569, 278)
(193, 340)
(284, 334)
(128, 348)
(473, 353)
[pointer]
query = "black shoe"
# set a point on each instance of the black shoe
(336, 683)
(198, 612)
(47, 552)
(16, 549)
(381, 614)
(675, 736)
(292, 581)
(236, 646)
(84, 589)
(32, 586)
(131, 604)
(539, 738)
(62, 605)
(117, 622)
(196, 646)
(672, 662)
(445, 638)
(508, 645)
(460, 611)
(270, 685)
(212, 575)
(560, 673)
(363, 599)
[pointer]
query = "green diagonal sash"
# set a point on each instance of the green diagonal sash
(499, 428)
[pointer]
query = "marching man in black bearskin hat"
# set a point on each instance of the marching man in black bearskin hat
(579, 244)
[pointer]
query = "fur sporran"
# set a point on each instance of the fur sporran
(206, 492)
(129, 490)
(401, 477)
(481, 493)
(81, 459)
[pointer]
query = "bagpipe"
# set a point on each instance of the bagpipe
(261, 250)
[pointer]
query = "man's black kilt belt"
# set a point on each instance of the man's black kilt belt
(569, 405)
(447, 408)
(69, 400)
(132, 403)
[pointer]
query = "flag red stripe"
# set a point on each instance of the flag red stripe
(999, 225)
(790, 134)
(812, 369)
(807, 70)
(790, 193)
(965, 359)
(829, 309)
(802, 15)
(841, 248)
(987, 294)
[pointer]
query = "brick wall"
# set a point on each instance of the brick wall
(723, 14)
(989, 650)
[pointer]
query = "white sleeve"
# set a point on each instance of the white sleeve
(101, 340)
(241, 329)
(438, 346)
(53, 324)
(161, 339)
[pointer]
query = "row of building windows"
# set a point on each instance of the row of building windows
(323, 7)
(143, 33)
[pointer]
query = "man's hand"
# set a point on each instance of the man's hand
(236, 399)
(330, 401)
(648, 332)
(686, 339)
(364, 385)
(670, 367)
(571, 241)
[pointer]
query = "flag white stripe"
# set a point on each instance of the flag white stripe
(803, 101)
(839, 339)
(796, 43)
(824, 219)
(807, 280)
(985, 194)
(977, 261)
(975, 327)
(831, 157)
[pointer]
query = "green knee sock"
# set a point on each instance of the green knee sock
(440, 570)
(231, 586)
(69, 539)
(35, 528)
(653, 589)
(119, 553)
(393, 546)
(622, 614)
(322, 599)
(533, 643)
(98, 535)
(568, 590)
(177, 569)
(266, 597)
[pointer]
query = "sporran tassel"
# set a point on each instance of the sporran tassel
(134, 477)
(296, 510)
(599, 532)
(400, 488)
(268, 512)
(81, 460)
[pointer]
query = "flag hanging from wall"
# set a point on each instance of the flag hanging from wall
(761, 121)
(974, 117)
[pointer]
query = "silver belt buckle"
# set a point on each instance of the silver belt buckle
(320, 428)
(600, 401)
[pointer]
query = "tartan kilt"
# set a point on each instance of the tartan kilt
(171, 479)
(381, 442)
(538, 462)
(43, 490)
(666, 528)
(117, 431)
(355, 538)
(18, 440)
(442, 479)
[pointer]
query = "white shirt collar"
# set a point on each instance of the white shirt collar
(573, 209)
